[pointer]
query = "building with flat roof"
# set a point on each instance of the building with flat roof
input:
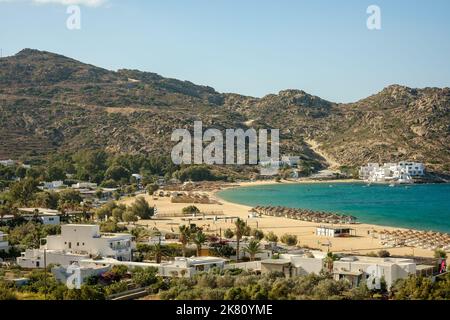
(373, 270)
(78, 242)
(334, 232)
(180, 267)
(46, 216)
(295, 264)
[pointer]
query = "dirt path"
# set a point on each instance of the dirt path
(333, 164)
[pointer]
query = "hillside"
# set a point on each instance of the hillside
(51, 103)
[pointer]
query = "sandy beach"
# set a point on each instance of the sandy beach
(362, 243)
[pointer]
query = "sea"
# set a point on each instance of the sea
(418, 206)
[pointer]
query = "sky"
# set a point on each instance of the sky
(251, 47)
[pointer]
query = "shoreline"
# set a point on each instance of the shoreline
(362, 243)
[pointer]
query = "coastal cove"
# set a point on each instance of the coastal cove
(421, 206)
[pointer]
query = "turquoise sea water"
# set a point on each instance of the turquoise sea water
(423, 207)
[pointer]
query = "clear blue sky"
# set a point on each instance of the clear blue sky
(252, 47)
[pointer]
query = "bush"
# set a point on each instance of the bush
(257, 234)
(228, 234)
(384, 254)
(289, 239)
(271, 237)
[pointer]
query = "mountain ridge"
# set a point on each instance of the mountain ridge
(50, 103)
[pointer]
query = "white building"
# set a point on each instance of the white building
(7, 163)
(4, 244)
(76, 243)
(180, 267)
(46, 216)
(62, 275)
(84, 185)
(414, 169)
(334, 232)
(291, 264)
(373, 270)
(290, 160)
(402, 172)
(53, 185)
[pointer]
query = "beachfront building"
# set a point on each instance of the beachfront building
(4, 244)
(78, 242)
(402, 172)
(334, 232)
(372, 270)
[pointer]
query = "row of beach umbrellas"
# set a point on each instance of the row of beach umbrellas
(305, 215)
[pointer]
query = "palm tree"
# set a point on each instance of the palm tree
(199, 239)
(185, 237)
(158, 251)
(329, 261)
(239, 232)
(253, 248)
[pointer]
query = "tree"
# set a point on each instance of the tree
(90, 165)
(56, 173)
(70, 196)
(199, 239)
(271, 237)
(142, 209)
(222, 250)
(185, 236)
(140, 234)
(152, 188)
(440, 254)
(144, 277)
(117, 213)
(289, 239)
(240, 228)
(228, 234)
(106, 210)
(22, 192)
(128, 216)
(191, 210)
(117, 173)
(46, 200)
(257, 234)
(253, 248)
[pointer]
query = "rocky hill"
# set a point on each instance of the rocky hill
(51, 103)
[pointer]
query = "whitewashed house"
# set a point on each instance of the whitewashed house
(7, 163)
(76, 243)
(373, 270)
(180, 267)
(402, 172)
(84, 185)
(53, 185)
(46, 216)
(414, 169)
